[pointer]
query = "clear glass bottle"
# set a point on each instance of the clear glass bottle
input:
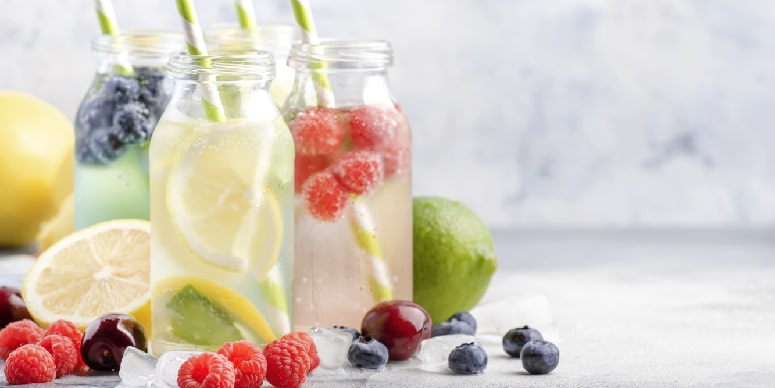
(276, 38)
(353, 239)
(114, 123)
(221, 207)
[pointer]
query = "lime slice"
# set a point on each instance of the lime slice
(221, 203)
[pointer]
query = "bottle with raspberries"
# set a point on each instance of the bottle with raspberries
(273, 37)
(353, 238)
(114, 123)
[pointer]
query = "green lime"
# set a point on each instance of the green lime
(199, 321)
(454, 257)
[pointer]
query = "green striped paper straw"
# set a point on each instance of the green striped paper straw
(303, 14)
(109, 26)
(196, 46)
(246, 15)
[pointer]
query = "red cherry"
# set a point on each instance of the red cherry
(400, 325)
(12, 306)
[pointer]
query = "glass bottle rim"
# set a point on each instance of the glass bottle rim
(226, 64)
(139, 43)
(341, 53)
(275, 37)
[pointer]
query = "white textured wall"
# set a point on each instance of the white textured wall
(562, 112)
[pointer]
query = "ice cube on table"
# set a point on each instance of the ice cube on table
(501, 315)
(434, 352)
(137, 368)
(166, 373)
(332, 346)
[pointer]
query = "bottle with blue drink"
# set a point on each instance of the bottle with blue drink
(114, 123)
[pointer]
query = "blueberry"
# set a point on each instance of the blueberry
(366, 352)
(96, 112)
(103, 146)
(152, 92)
(540, 357)
(516, 338)
(348, 330)
(131, 123)
(451, 327)
(467, 359)
(466, 317)
(121, 90)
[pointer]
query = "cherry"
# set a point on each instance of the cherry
(399, 324)
(106, 338)
(12, 306)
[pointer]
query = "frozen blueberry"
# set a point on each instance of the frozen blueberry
(464, 316)
(152, 92)
(516, 338)
(452, 327)
(368, 353)
(467, 359)
(103, 145)
(97, 112)
(131, 123)
(121, 90)
(540, 357)
(348, 330)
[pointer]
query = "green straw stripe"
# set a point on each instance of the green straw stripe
(303, 14)
(193, 50)
(213, 112)
(247, 20)
(107, 26)
(379, 291)
(186, 11)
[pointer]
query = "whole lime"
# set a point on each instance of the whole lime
(454, 257)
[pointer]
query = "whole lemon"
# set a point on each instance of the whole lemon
(36, 165)
(454, 257)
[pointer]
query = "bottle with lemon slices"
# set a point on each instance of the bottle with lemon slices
(221, 207)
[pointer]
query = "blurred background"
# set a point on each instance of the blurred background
(563, 113)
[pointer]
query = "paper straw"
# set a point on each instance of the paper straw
(274, 294)
(364, 231)
(303, 14)
(361, 223)
(196, 46)
(246, 15)
(109, 26)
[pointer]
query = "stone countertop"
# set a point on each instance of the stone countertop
(626, 308)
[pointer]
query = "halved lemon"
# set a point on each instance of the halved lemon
(101, 269)
(221, 201)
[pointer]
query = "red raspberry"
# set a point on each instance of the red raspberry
(306, 165)
(206, 370)
(317, 131)
(249, 363)
(286, 363)
(359, 171)
(396, 158)
(325, 197)
(17, 334)
(68, 330)
(30, 364)
(372, 127)
(63, 351)
(309, 345)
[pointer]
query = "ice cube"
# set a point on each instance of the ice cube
(499, 316)
(166, 374)
(332, 346)
(137, 368)
(434, 351)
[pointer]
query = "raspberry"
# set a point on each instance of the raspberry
(249, 363)
(396, 158)
(372, 127)
(317, 131)
(17, 334)
(359, 171)
(63, 351)
(325, 197)
(309, 345)
(306, 165)
(30, 364)
(206, 370)
(68, 330)
(286, 363)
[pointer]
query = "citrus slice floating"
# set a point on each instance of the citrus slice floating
(101, 269)
(204, 312)
(221, 203)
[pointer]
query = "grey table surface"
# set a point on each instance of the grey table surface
(688, 308)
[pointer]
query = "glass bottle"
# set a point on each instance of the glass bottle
(353, 241)
(221, 207)
(276, 38)
(114, 123)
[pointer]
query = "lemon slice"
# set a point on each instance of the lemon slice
(204, 311)
(101, 269)
(220, 201)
